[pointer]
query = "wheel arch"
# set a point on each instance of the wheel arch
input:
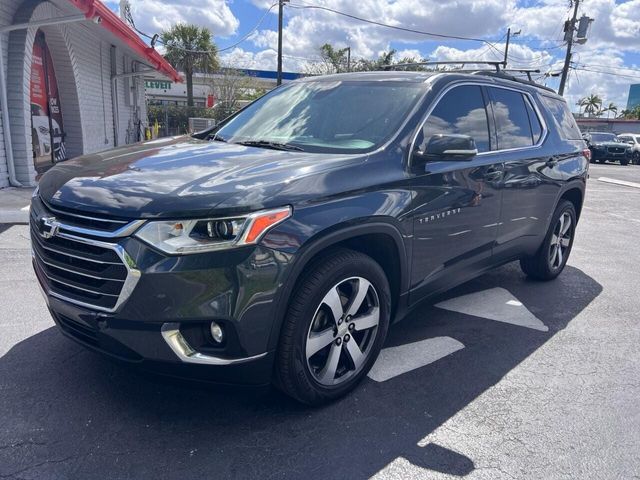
(380, 240)
(575, 195)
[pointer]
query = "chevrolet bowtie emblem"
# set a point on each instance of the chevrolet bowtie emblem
(48, 227)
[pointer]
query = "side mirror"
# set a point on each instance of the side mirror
(448, 147)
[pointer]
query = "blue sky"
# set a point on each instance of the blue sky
(605, 64)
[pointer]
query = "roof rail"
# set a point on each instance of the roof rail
(506, 75)
(462, 63)
(498, 70)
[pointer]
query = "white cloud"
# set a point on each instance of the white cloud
(307, 29)
(153, 16)
(616, 24)
(520, 56)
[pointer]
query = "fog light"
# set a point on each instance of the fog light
(216, 332)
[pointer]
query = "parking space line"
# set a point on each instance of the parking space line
(394, 361)
(495, 304)
(619, 182)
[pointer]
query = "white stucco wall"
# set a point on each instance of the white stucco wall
(82, 62)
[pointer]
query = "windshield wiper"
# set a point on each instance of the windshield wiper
(271, 145)
(216, 138)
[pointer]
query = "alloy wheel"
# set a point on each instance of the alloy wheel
(343, 331)
(560, 240)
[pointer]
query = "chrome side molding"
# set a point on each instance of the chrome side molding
(184, 351)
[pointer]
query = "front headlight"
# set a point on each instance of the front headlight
(205, 235)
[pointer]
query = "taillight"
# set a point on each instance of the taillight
(587, 154)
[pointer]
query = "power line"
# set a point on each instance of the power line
(380, 24)
(203, 52)
(605, 73)
(606, 66)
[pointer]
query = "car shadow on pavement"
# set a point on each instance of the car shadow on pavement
(70, 413)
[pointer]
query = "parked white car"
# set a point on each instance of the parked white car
(632, 139)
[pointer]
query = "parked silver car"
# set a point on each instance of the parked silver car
(632, 139)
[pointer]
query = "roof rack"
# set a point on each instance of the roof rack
(498, 69)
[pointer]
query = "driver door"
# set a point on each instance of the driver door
(457, 202)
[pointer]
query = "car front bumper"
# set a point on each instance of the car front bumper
(597, 154)
(142, 346)
(163, 322)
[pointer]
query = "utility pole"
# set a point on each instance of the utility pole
(567, 59)
(506, 48)
(348, 59)
(280, 15)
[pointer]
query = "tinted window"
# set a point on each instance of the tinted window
(460, 111)
(326, 116)
(536, 127)
(512, 119)
(603, 137)
(562, 117)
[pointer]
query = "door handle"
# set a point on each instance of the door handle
(552, 162)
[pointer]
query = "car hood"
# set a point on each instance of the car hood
(609, 144)
(188, 177)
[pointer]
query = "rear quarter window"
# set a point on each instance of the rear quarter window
(563, 119)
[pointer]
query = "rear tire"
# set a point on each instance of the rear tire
(636, 158)
(334, 329)
(550, 259)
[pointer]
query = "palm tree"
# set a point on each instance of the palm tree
(581, 103)
(190, 48)
(592, 104)
(611, 108)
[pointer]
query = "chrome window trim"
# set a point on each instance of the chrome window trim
(476, 83)
(185, 352)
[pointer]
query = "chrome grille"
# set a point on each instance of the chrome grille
(80, 269)
(77, 219)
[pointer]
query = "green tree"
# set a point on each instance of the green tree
(592, 105)
(624, 113)
(612, 108)
(335, 59)
(190, 48)
(634, 113)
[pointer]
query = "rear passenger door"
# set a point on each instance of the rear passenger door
(456, 204)
(531, 179)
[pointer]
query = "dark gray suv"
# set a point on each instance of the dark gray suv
(280, 247)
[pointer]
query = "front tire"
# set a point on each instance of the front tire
(624, 162)
(334, 329)
(552, 256)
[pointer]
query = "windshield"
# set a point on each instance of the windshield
(325, 116)
(603, 137)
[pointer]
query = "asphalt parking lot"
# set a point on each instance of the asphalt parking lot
(501, 378)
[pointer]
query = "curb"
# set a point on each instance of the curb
(14, 216)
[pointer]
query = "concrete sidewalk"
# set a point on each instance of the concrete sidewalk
(14, 205)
